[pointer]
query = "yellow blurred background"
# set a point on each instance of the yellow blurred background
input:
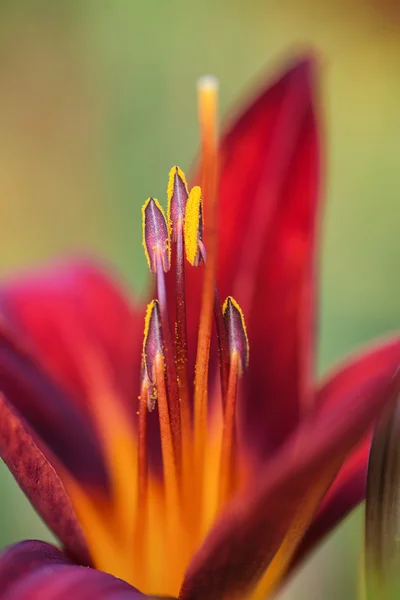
(97, 102)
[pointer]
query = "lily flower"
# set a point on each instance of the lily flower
(188, 464)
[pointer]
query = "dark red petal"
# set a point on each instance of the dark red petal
(40, 482)
(78, 294)
(71, 582)
(348, 489)
(50, 413)
(268, 202)
(21, 559)
(244, 542)
(34, 570)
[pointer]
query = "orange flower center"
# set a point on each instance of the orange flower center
(149, 528)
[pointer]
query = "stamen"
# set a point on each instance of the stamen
(155, 235)
(239, 358)
(177, 193)
(153, 345)
(207, 90)
(156, 243)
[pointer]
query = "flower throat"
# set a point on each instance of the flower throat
(147, 515)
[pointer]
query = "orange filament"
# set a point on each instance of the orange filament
(172, 380)
(168, 455)
(181, 334)
(170, 470)
(142, 459)
(209, 177)
(177, 196)
(227, 468)
(182, 367)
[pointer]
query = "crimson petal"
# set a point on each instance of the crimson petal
(348, 489)
(22, 558)
(38, 571)
(50, 412)
(40, 482)
(268, 200)
(274, 515)
(49, 305)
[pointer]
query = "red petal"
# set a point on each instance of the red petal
(348, 489)
(50, 413)
(40, 482)
(246, 539)
(67, 582)
(38, 571)
(25, 557)
(268, 201)
(71, 295)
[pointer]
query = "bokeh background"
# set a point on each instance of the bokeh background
(97, 102)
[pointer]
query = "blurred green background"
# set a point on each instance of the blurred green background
(97, 102)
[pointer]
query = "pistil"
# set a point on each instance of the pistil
(207, 93)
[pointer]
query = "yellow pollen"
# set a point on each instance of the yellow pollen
(193, 228)
(149, 311)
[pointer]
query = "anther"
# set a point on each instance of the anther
(156, 242)
(177, 193)
(236, 331)
(152, 342)
(194, 228)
